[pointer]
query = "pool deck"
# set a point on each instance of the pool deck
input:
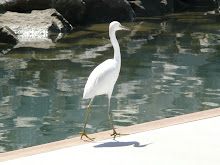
(187, 139)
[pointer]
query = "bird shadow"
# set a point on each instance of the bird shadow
(120, 144)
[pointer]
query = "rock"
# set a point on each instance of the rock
(155, 7)
(91, 11)
(39, 26)
(23, 6)
(205, 4)
(76, 11)
(160, 7)
(199, 5)
(170, 6)
(7, 35)
(106, 11)
(72, 10)
(139, 9)
(8, 40)
(52, 20)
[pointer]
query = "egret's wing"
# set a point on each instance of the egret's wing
(100, 79)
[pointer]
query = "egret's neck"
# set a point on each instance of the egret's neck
(114, 41)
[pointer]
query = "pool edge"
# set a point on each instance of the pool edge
(106, 134)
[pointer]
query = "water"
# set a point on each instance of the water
(170, 67)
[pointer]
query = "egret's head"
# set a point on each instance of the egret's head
(115, 26)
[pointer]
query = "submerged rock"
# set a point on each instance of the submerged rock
(40, 26)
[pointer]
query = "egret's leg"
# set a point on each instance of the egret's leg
(83, 133)
(114, 132)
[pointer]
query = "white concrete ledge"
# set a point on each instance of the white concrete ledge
(179, 127)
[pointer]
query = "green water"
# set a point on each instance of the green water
(170, 67)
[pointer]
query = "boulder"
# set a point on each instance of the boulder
(23, 6)
(72, 10)
(39, 26)
(106, 11)
(93, 11)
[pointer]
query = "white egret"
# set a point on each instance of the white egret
(104, 76)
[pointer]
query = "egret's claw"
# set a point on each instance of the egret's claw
(115, 134)
(84, 134)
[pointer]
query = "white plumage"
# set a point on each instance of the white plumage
(104, 76)
(102, 79)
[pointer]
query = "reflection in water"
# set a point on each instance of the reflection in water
(169, 68)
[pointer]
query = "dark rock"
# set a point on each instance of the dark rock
(180, 5)
(198, 5)
(39, 26)
(8, 40)
(138, 8)
(24, 5)
(90, 11)
(106, 11)
(155, 7)
(7, 35)
(72, 10)
(76, 11)
(211, 4)
(160, 7)
(170, 6)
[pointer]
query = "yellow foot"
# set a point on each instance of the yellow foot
(115, 134)
(84, 134)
